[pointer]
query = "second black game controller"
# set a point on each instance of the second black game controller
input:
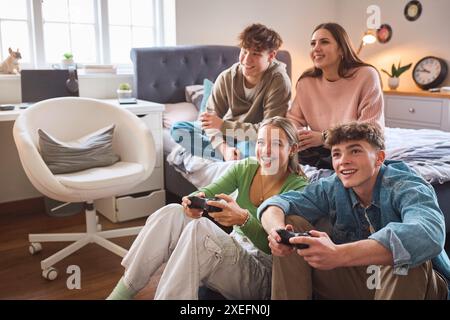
(201, 203)
(285, 235)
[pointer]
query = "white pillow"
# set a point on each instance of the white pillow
(175, 112)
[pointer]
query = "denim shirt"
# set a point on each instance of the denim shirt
(404, 215)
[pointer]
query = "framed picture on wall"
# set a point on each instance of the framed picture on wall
(413, 10)
(384, 33)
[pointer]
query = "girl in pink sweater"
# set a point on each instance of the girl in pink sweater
(340, 88)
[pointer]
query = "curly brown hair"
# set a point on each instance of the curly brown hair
(260, 38)
(368, 132)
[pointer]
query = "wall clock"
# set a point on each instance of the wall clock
(430, 72)
(413, 10)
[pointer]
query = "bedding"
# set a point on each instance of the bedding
(427, 151)
(182, 111)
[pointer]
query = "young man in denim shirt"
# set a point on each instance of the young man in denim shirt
(387, 231)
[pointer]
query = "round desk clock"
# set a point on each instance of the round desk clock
(430, 72)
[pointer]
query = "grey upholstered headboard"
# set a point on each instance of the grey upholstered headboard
(161, 74)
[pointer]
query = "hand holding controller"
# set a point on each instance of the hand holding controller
(285, 235)
(201, 203)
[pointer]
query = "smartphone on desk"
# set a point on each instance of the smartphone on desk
(7, 107)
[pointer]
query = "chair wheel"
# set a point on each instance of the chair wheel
(50, 273)
(35, 247)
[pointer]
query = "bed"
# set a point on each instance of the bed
(162, 75)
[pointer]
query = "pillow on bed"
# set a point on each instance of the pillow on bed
(194, 94)
(90, 151)
(174, 112)
(198, 94)
(207, 90)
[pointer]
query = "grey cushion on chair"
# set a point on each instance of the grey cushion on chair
(92, 150)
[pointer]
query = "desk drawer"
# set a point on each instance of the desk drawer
(415, 110)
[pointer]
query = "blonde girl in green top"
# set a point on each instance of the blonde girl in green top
(197, 251)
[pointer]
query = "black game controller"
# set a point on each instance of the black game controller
(200, 203)
(285, 235)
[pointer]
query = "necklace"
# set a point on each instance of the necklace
(261, 199)
(264, 193)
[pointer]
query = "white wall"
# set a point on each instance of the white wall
(221, 21)
(411, 41)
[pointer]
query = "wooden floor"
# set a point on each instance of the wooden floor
(20, 272)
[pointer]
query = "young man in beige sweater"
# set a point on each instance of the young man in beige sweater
(256, 88)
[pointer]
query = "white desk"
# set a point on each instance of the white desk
(10, 115)
(141, 108)
(123, 207)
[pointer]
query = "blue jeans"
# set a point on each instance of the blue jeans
(191, 136)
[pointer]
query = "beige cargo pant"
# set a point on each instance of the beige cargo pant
(294, 279)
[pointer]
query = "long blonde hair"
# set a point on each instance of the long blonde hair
(291, 133)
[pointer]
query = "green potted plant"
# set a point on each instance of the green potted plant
(394, 76)
(124, 91)
(68, 60)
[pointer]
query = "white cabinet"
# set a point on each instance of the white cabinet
(417, 110)
(149, 195)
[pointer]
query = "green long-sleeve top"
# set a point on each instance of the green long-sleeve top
(239, 177)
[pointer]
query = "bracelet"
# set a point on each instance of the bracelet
(246, 220)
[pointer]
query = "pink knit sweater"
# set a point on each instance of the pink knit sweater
(321, 104)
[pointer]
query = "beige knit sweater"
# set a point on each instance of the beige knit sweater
(241, 116)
